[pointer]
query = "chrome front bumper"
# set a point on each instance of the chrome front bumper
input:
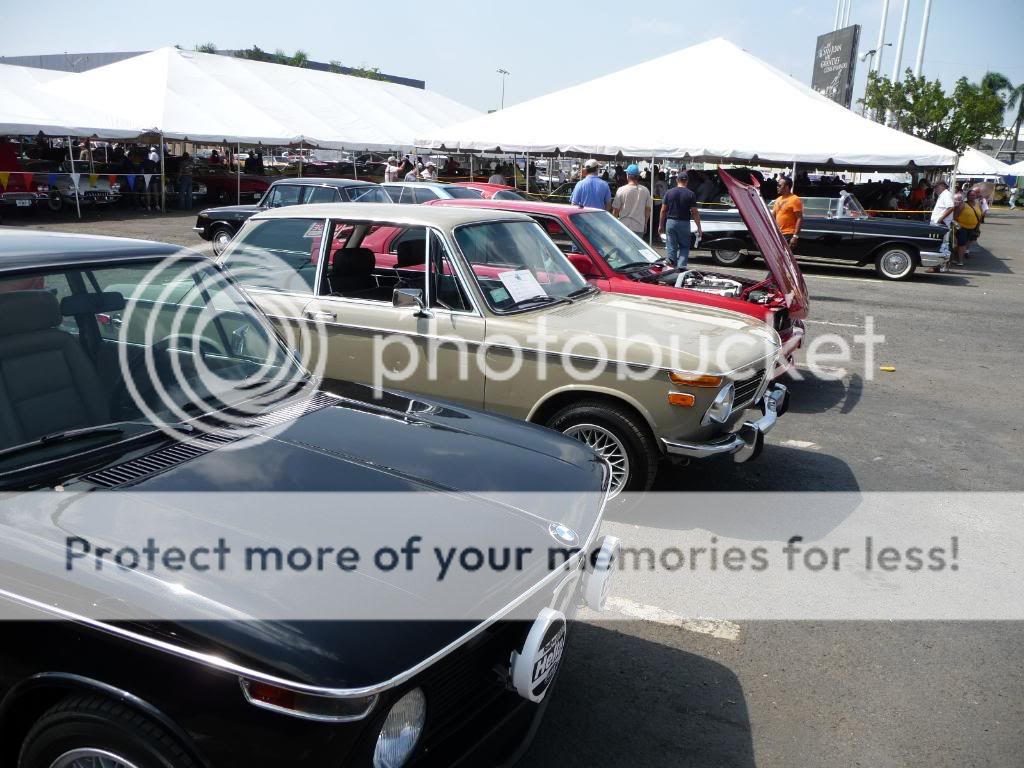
(933, 258)
(745, 443)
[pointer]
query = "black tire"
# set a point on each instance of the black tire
(87, 722)
(731, 258)
(628, 428)
(55, 202)
(895, 262)
(220, 236)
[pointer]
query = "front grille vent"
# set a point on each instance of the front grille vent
(161, 460)
(747, 388)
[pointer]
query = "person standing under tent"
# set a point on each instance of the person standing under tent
(391, 170)
(429, 172)
(942, 213)
(1013, 196)
(789, 211)
(497, 178)
(678, 207)
(185, 169)
(632, 204)
(592, 191)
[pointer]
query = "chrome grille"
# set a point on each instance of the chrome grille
(746, 389)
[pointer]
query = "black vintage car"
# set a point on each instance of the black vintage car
(219, 225)
(129, 669)
(837, 229)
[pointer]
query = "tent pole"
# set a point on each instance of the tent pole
(163, 178)
(652, 201)
(526, 172)
(355, 168)
(300, 159)
(238, 173)
(71, 156)
(471, 168)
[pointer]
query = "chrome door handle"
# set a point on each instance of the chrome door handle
(320, 317)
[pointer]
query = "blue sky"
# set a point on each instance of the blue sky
(456, 45)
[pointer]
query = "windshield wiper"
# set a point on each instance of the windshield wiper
(541, 300)
(634, 265)
(581, 291)
(65, 436)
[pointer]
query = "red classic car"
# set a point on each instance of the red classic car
(614, 259)
(224, 186)
(492, 191)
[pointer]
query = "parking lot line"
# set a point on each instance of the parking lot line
(717, 628)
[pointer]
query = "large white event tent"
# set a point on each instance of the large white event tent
(212, 98)
(26, 108)
(1017, 169)
(713, 102)
(976, 164)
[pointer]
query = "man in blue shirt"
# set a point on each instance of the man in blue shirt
(591, 191)
(676, 209)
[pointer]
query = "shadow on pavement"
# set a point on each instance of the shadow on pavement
(813, 395)
(628, 701)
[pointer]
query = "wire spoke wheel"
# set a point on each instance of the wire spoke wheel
(895, 264)
(609, 447)
(91, 758)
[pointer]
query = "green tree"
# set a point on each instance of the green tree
(299, 59)
(922, 108)
(280, 57)
(370, 73)
(255, 54)
(335, 66)
(206, 48)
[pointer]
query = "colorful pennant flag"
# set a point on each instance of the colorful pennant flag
(4, 176)
(147, 177)
(51, 179)
(130, 178)
(28, 178)
(74, 178)
(112, 179)
(93, 178)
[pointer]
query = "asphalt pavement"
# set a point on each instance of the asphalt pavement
(781, 694)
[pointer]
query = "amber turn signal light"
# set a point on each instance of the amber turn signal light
(681, 398)
(694, 379)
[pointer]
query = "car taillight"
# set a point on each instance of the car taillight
(43, 188)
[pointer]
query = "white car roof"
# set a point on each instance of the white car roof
(390, 213)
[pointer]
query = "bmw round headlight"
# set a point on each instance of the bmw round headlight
(401, 731)
(721, 408)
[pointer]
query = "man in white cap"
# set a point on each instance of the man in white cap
(632, 204)
(430, 172)
(391, 171)
(592, 191)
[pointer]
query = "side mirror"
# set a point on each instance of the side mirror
(582, 263)
(408, 297)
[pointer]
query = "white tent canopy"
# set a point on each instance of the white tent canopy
(975, 164)
(26, 108)
(1017, 169)
(212, 98)
(733, 107)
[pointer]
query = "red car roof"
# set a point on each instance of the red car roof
(523, 206)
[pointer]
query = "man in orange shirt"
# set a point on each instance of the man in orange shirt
(789, 211)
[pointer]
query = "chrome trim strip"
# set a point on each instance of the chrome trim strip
(371, 703)
(854, 235)
(224, 665)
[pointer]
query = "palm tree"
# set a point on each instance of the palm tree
(1012, 96)
(299, 59)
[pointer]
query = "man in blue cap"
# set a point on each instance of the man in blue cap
(632, 204)
(592, 191)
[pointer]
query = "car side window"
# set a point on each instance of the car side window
(284, 194)
(277, 254)
(321, 195)
(505, 194)
(368, 195)
(447, 291)
(558, 234)
(425, 194)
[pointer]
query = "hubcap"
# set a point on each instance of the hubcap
(608, 447)
(895, 263)
(220, 241)
(91, 758)
(727, 257)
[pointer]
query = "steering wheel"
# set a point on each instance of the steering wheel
(147, 386)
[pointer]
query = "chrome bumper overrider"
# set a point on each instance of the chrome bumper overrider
(746, 442)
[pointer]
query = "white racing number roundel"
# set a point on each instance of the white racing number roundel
(534, 668)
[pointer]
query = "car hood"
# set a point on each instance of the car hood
(231, 211)
(645, 331)
(410, 468)
(770, 242)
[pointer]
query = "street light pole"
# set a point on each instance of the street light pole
(504, 73)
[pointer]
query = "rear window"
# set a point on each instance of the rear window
(464, 193)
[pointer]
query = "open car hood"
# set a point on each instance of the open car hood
(770, 242)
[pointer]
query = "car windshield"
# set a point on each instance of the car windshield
(613, 241)
(94, 354)
(517, 266)
(464, 193)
